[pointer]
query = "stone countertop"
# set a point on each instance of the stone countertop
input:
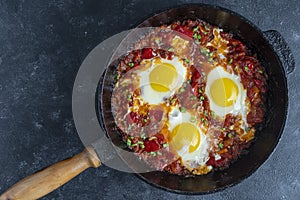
(42, 44)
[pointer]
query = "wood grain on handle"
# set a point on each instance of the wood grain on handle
(50, 178)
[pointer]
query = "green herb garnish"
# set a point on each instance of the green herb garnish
(221, 145)
(230, 135)
(128, 142)
(202, 98)
(195, 35)
(213, 115)
(246, 68)
(195, 29)
(260, 71)
(193, 97)
(171, 49)
(173, 101)
(183, 109)
(140, 142)
(129, 97)
(200, 90)
(131, 64)
(165, 145)
(230, 61)
(153, 153)
(193, 119)
(187, 61)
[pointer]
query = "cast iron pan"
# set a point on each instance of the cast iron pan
(273, 54)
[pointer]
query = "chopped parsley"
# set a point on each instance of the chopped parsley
(165, 145)
(213, 115)
(193, 97)
(140, 142)
(260, 71)
(173, 101)
(153, 153)
(131, 64)
(193, 119)
(171, 49)
(202, 98)
(182, 109)
(221, 145)
(230, 61)
(200, 90)
(187, 61)
(230, 135)
(246, 68)
(128, 142)
(247, 129)
(129, 97)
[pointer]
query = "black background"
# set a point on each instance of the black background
(42, 44)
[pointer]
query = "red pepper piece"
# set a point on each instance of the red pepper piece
(195, 77)
(257, 82)
(185, 30)
(132, 117)
(151, 145)
(148, 53)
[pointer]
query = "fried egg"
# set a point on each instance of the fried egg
(187, 139)
(160, 78)
(225, 92)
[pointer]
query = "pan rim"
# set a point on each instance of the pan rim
(285, 107)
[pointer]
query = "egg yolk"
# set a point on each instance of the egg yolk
(185, 134)
(224, 92)
(162, 77)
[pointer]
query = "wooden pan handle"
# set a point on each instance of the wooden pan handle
(45, 181)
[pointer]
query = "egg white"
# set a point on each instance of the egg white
(155, 97)
(201, 155)
(240, 106)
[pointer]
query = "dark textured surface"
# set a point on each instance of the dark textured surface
(42, 46)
